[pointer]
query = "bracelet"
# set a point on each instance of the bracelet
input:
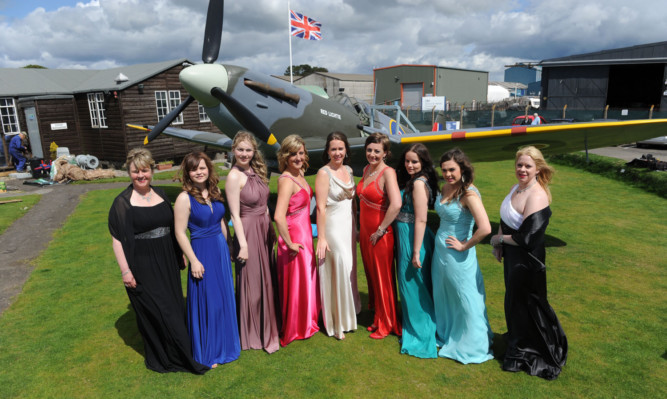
(381, 232)
(125, 272)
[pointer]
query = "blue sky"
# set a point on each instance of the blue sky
(357, 35)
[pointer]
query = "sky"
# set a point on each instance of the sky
(358, 35)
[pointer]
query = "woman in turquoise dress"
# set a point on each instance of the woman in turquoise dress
(462, 326)
(414, 249)
(211, 304)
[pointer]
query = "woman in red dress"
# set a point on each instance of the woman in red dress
(380, 202)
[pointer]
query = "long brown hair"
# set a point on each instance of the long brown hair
(257, 162)
(467, 171)
(545, 170)
(190, 163)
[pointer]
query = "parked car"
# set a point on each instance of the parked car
(527, 120)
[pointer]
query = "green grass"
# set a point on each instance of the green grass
(71, 333)
(12, 211)
(157, 176)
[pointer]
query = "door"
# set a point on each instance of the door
(33, 132)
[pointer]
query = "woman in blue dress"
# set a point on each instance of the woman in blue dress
(211, 304)
(414, 249)
(463, 331)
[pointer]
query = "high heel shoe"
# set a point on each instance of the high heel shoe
(378, 335)
(372, 328)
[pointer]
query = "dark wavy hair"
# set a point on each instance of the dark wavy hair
(379, 138)
(467, 171)
(407, 182)
(190, 163)
(336, 136)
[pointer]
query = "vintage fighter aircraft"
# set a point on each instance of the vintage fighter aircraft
(236, 98)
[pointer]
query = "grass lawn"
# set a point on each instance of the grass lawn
(11, 211)
(72, 334)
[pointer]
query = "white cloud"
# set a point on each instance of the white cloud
(358, 35)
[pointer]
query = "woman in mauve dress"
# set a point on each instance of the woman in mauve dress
(247, 195)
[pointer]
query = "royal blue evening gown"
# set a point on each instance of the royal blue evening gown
(462, 327)
(211, 305)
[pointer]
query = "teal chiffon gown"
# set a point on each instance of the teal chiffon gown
(463, 331)
(414, 286)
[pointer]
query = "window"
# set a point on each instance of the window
(98, 116)
(166, 101)
(203, 116)
(10, 123)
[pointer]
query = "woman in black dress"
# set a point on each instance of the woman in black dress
(141, 224)
(536, 342)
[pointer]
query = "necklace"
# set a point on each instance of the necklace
(146, 197)
(208, 202)
(373, 173)
(519, 191)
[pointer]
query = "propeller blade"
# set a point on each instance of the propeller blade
(245, 117)
(166, 121)
(213, 32)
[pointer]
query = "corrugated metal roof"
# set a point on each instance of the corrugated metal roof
(348, 77)
(640, 54)
(21, 82)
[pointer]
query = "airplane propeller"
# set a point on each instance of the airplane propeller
(210, 51)
(242, 114)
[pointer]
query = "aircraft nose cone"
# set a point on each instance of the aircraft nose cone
(199, 79)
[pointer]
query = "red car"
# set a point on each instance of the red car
(527, 120)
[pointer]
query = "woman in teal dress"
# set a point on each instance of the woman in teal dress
(463, 331)
(418, 183)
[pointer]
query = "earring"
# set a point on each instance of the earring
(463, 179)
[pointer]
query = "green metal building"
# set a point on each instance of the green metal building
(407, 84)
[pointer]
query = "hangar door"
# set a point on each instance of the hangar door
(411, 95)
(635, 86)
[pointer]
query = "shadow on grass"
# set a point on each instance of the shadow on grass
(126, 325)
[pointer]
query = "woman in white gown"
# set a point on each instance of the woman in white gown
(336, 244)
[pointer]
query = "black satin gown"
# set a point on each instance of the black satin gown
(536, 342)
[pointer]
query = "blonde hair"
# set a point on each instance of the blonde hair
(257, 162)
(545, 170)
(288, 148)
(139, 157)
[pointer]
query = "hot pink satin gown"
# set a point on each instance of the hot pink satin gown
(297, 275)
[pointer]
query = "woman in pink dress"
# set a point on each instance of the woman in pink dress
(254, 239)
(380, 202)
(297, 272)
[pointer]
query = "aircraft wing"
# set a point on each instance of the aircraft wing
(497, 143)
(206, 138)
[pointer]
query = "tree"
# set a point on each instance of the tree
(304, 69)
(33, 66)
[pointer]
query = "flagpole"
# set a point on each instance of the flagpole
(289, 33)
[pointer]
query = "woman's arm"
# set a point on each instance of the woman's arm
(233, 192)
(472, 201)
(321, 195)
(285, 191)
(420, 202)
(395, 202)
(181, 216)
(125, 272)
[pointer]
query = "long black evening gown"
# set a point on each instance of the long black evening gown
(536, 342)
(146, 234)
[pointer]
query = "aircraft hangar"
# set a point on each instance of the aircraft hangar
(624, 78)
(407, 84)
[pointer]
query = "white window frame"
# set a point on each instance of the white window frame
(10, 120)
(203, 116)
(165, 102)
(98, 116)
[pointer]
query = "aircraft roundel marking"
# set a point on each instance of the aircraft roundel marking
(272, 140)
(459, 135)
(395, 128)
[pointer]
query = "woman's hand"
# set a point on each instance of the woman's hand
(196, 269)
(322, 249)
(498, 253)
(294, 248)
(453, 243)
(242, 257)
(416, 262)
(495, 240)
(377, 235)
(128, 280)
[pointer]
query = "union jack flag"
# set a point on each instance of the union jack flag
(304, 27)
